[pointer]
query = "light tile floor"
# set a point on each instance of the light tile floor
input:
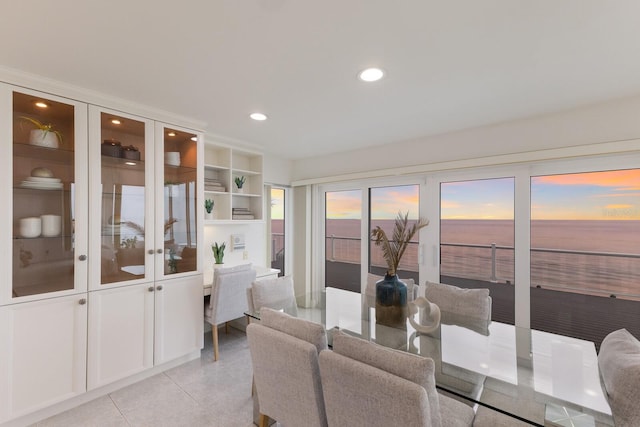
(198, 393)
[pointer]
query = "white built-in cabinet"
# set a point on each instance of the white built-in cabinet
(222, 167)
(102, 223)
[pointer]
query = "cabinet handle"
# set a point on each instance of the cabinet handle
(150, 251)
(150, 288)
(159, 287)
(159, 251)
(82, 301)
(82, 257)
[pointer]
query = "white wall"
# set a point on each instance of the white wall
(255, 238)
(612, 121)
(276, 170)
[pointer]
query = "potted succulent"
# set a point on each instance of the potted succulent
(391, 292)
(43, 135)
(208, 207)
(240, 180)
(218, 252)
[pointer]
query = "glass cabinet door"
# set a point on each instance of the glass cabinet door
(125, 227)
(45, 191)
(178, 219)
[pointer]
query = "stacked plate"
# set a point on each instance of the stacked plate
(42, 183)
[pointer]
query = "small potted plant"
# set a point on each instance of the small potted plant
(43, 135)
(240, 180)
(218, 252)
(208, 207)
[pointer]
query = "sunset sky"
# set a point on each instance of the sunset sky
(277, 203)
(595, 195)
(585, 196)
(386, 202)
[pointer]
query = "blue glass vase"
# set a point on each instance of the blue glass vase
(391, 302)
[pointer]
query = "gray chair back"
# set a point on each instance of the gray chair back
(442, 410)
(619, 363)
(357, 394)
(469, 308)
(277, 293)
(284, 353)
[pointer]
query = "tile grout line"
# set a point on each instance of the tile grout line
(184, 391)
(126, 420)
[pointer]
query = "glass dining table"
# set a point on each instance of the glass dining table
(533, 376)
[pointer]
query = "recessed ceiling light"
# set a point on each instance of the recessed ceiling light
(194, 138)
(371, 74)
(116, 121)
(130, 163)
(41, 104)
(171, 134)
(258, 116)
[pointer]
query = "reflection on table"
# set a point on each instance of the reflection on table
(523, 372)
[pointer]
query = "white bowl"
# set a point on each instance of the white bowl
(51, 225)
(30, 227)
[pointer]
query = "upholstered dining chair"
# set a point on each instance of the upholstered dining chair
(366, 384)
(284, 354)
(619, 363)
(469, 308)
(277, 293)
(228, 299)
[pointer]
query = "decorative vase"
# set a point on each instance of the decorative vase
(239, 190)
(209, 215)
(43, 138)
(391, 302)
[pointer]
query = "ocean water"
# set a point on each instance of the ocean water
(607, 262)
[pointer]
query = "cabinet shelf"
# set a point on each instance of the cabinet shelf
(246, 195)
(216, 167)
(119, 162)
(21, 149)
(48, 238)
(245, 172)
(47, 190)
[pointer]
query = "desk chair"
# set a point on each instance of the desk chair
(228, 298)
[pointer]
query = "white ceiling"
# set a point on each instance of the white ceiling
(450, 64)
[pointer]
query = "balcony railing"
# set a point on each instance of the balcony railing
(585, 272)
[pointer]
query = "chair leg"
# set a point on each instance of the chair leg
(226, 328)
(263, 421)
(214, 331)
(248, 319)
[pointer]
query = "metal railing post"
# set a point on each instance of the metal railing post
(493, 278)
(333, 247)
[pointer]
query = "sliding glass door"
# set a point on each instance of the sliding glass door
(585, 253)
(477, 239)
(385, 205)
(343, 241)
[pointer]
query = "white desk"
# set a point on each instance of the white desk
(261, 274)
